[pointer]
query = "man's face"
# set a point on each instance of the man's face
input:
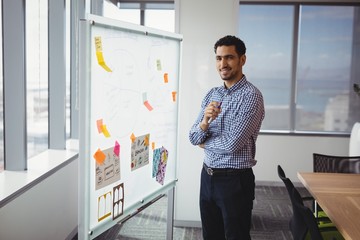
(229, 64)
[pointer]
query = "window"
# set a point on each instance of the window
(68, 70)
(155, 19)
(303, 58)
(37, 76)
(267, 33)
(155, 15)
(131, 15)
(1, 102)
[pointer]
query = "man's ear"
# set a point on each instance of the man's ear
(243, 60)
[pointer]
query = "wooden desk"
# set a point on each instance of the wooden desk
(338, 194)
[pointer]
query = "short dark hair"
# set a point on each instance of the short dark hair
(231, 41)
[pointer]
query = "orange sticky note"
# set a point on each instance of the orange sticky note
(166, 78)
(99, 124)
(148, 106)
(146, 140)
(174, 96)
(105, 131)
(132, 137)
(99, 157)
(153, 145)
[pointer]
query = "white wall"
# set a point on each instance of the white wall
(46, 211)
(201, 27)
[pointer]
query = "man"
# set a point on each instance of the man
(227, 128)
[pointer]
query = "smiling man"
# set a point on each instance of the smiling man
(227, 128)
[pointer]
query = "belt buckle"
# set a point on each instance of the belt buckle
(210, 171)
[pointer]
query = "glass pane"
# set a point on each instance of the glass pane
(160, 19)
(327, 52)
(1, 101)
(126, 15)
(67, 99)
(37, 75)
(267, 32)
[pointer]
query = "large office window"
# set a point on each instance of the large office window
(155, 15)
(68, 70)
(37, 75)
(1, 101)
(304, 60)
(130, 14)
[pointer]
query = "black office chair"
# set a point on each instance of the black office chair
(336, 164)
(297, 226)
(309, 221)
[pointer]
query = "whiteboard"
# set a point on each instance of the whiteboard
(129, 94)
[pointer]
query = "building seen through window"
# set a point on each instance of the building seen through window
(307, 78)
(37, 76)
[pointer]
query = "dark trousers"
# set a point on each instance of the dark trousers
(226, 203)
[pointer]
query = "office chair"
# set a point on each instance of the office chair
(336, 164)
(298, 228)
(308, 219)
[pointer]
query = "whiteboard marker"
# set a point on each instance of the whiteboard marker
(210, 120)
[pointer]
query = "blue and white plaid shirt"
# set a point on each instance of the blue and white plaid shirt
(231, 137)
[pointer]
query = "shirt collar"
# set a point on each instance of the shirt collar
(236, 86)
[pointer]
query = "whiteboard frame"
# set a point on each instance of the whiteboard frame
(84, 177)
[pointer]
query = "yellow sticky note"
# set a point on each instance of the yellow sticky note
(98, 44)
(158, 64)
(99, 54)
(101, 61)
(105, 131)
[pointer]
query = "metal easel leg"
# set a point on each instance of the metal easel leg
(170, 214)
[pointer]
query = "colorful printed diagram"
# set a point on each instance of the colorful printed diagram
(160, 158)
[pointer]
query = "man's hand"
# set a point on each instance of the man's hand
(210, 113)
(202, 145)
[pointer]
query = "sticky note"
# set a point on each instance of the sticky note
(146, 140)
(99, 124)
(153, 145)
(99, 157)
(158, 64)
(166, 78)
(99, 54)
(173, 96)
(132, 137)
(148, 106)
(144, 96)
(117, 148)
(105, 131)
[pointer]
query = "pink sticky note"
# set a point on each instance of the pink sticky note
(148, 106)
(99, 124)
(117, 148)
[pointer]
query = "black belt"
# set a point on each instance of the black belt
(225, 171)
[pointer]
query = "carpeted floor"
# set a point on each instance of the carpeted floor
(271, 214)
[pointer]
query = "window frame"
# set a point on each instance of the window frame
(295, 46)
